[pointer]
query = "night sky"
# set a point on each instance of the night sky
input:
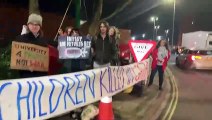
(199, 10)
(137, 15)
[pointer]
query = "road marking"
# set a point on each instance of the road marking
(174, 100)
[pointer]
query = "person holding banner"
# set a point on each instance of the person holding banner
(33, 36)
(160, 58)
(103, 47)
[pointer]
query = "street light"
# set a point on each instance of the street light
(173, 22)
(192, 22)
(157, 28)
(133, 38)
(154, 19)
(174, 11)
(159, 37)
(167, 32)
(143, 35)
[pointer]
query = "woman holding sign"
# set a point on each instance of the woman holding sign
(77, 64)
(160, 58)
(30, 53)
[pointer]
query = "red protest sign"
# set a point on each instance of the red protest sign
(141, 49)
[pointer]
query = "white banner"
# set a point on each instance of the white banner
(50, 96)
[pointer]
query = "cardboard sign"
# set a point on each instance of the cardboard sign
(141, 49)
(74, 47)
(31, 57)
(50, 96)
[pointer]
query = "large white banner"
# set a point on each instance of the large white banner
(50, 96)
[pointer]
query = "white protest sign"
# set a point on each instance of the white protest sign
(141, 49)
(50, 96)
(74, 47)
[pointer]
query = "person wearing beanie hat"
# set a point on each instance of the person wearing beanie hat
(35, 19)
(32, 35)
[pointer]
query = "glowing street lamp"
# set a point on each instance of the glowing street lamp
(167, 32)
(156, 29)
(154, 19)
(159, 37)
(143, 35)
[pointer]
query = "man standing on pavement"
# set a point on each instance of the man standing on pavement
(103, 48)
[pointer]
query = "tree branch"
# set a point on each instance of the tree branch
(96, 19)
(34, 6)
(119, 9)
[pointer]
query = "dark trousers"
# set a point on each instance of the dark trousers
(161, 72)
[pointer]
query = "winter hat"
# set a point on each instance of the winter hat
(35, 18)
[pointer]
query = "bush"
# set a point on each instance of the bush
(5, 71)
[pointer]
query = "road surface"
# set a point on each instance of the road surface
(195, 94)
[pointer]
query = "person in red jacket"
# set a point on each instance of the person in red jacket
(160, 57)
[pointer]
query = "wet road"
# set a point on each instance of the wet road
(195, 93)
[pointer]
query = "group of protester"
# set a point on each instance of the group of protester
(104, 49)
(104, 46)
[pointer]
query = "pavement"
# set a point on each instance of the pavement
(147, 107)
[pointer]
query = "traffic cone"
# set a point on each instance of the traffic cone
(106, 109)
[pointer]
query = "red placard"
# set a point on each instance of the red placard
(141, 49)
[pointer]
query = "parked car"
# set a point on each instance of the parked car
(195, 59)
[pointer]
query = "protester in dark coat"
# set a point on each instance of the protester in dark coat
(33, 35)
(102, 47)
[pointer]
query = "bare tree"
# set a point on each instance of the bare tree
(119, 9)
(98, 13)
(34, 6)
(96, 18)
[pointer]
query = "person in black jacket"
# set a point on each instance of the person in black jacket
(103, 48)
(33, 36)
